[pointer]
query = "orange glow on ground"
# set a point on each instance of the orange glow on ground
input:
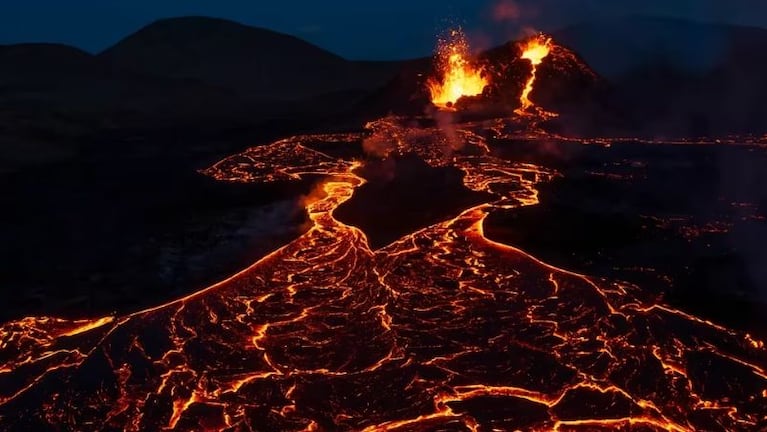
(444, 329)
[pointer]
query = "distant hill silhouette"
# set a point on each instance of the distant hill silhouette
(61, 78)
(663, 77)
(618, 46)
(206, 73)
(681, 78)
(54, 96)
(255, 62)
(32, 64)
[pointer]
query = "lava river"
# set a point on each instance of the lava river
(443, 330)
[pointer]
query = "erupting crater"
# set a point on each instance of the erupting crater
(492, 78)
(459, 75)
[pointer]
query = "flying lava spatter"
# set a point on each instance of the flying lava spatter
(459, 75)
(443, 329)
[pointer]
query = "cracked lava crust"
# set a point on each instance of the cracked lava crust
(442, 329)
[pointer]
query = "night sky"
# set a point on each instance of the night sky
(358, 30)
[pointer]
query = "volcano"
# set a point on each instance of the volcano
(254, 62)
(454, 266)
(566, 83)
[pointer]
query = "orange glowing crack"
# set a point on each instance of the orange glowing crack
(326, 333)
(88, 326)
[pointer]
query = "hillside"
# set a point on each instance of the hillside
(619, 46)
(213, 74)
(255, 62)
(565, 82)
(678, 78)
(53, 99)
(31, 65)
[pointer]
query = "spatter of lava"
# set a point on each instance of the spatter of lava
(459, 76)
(443, 329)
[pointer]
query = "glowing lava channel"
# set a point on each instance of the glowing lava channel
(535, 50)
(460, 77)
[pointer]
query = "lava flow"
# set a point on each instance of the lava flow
(534, 50)
(460, 77)
(442, 329)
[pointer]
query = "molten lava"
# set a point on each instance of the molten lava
(460, 77)
(443, 329)
(535, 50)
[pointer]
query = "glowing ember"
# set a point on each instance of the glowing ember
(535, 50)
(459, 76)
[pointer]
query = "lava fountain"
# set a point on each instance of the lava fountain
(534, 50)
(460, 76)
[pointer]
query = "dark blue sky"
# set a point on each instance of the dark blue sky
(355, 29)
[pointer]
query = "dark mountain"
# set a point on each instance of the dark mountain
(728, 99)
(60, 80)
(54, 98)
(174, 75)
(619, 46)
(25, 64)
(255, 62)
(29, 74)
(678, 78)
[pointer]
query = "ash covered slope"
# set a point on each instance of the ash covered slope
(252, 61)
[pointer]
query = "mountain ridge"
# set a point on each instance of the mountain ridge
(255, 62)
(616, 46)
